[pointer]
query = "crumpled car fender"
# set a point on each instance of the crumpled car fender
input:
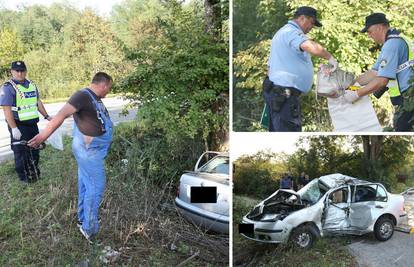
(310, 214)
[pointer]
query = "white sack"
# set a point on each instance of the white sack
(357, 117)
(55, 139)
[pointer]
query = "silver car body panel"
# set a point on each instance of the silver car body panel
(210, 216)
(344, 217)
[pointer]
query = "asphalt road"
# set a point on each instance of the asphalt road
(114, 106)
(396, 252)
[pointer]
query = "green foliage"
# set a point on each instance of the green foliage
(354, 50)
(11, 49)
(62, 47)
(180, 78)
(258, 175)
(133, 20)
(149, 155)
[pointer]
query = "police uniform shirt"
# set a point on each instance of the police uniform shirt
(288, 65)
(8, 97)
(394, 52)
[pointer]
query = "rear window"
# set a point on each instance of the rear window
(216, 165)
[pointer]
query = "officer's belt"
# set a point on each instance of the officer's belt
(287, 91)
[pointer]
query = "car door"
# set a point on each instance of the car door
(367, 202)
(336, 210)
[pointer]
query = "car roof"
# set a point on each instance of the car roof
(338, 179)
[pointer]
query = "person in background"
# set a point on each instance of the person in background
(286, 182)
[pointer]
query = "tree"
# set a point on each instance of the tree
(212, 16)
(134, 21)
(87, 46)
(180, 78)
(11, 49)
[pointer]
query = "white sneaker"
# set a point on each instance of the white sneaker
(85, 235)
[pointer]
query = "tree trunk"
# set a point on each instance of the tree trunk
(212, 16)
(372, 145)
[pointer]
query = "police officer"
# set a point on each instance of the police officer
(20, 100)
(291, 70)
(393, 70)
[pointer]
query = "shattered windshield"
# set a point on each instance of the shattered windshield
(311, 193)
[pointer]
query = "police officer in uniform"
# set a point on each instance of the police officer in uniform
(21, 104)
(392, 71)
(291, 70)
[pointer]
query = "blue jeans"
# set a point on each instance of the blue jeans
(91, 176)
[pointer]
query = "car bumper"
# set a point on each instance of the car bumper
(268, 232)
(206, 219)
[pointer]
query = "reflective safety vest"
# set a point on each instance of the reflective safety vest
(393, 86)
(26, 101)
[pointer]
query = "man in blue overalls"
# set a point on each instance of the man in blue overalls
(92, 138)
(21, 104)
(291, 70)
(393, 71)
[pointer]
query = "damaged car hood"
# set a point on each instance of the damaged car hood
(281, 203)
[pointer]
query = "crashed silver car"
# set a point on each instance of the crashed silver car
(331, 204)
(213, 174)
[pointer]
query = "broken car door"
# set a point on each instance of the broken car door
(336, 210)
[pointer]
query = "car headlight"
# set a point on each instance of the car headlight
(270, 218)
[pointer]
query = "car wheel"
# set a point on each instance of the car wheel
(384, 229)
(304, 236)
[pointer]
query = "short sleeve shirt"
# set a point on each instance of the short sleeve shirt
(288, 65)
(394, 52)
(8, 97)
(86, 117)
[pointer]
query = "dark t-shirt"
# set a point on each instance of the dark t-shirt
(86, 117)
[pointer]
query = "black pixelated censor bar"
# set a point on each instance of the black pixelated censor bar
(246, 228)
(203, 194)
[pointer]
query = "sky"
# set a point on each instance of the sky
(103, 7)
(250, 143)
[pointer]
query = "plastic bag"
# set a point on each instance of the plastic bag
(56, 139)
(333, 83)
(357, 117)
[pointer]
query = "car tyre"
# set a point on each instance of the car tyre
(304, 236)
(384, 229)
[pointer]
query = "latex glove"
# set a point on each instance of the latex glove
(351, 96)
(332, 61)
(16, 133)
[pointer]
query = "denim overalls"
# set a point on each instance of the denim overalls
(91, 168)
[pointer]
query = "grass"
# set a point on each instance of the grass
(38, 221)
(329, 251)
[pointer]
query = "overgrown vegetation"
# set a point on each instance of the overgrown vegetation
(138, 218)
(354, 51)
